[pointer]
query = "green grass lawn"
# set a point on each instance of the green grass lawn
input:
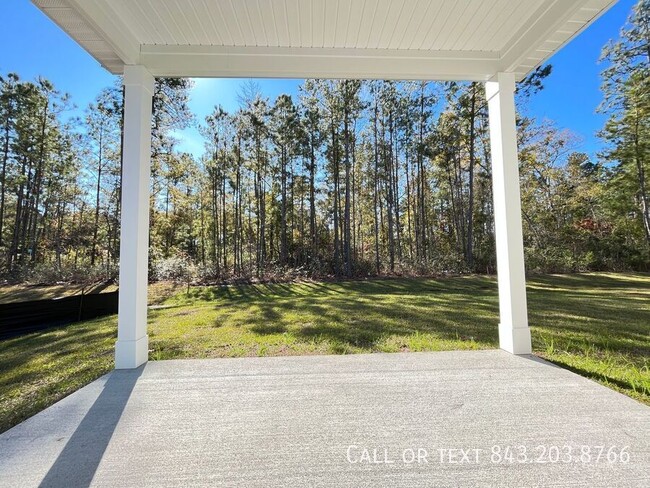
(597, 325)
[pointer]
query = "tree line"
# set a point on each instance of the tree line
(347, 178)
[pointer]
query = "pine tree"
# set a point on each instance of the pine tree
(626, 87)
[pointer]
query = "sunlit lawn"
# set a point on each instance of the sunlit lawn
(597, 325)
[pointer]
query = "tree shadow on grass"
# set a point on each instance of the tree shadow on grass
(360, 318)
(590, 318)
(600, 376)
(397, 286)
(268, 329)
(364, 313)
(589, 280)
(344, 323)
(59, 344)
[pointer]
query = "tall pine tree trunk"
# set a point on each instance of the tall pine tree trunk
(469, 252)
(346, 226)
(93, 251)
(376, 186)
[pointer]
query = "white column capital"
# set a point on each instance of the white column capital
(138, 75)
(500, 83)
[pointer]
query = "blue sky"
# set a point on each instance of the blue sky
(31, 45)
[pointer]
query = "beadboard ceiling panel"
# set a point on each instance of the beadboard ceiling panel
(420, 39)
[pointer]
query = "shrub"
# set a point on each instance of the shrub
(179, 269)
(51, 273)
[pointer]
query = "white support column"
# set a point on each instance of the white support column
(514, 334)
(132, 347)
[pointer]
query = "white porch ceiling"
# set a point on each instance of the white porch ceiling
(391, 39)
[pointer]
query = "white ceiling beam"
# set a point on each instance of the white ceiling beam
(332, 63)
(111, 28)
(524, 48)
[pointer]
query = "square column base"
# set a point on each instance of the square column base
(131, 354)
(515, 340)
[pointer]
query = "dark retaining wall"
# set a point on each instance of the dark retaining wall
(23, 317)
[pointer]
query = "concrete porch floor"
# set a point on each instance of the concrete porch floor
(291, 421)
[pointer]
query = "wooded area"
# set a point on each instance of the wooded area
(350, 178)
